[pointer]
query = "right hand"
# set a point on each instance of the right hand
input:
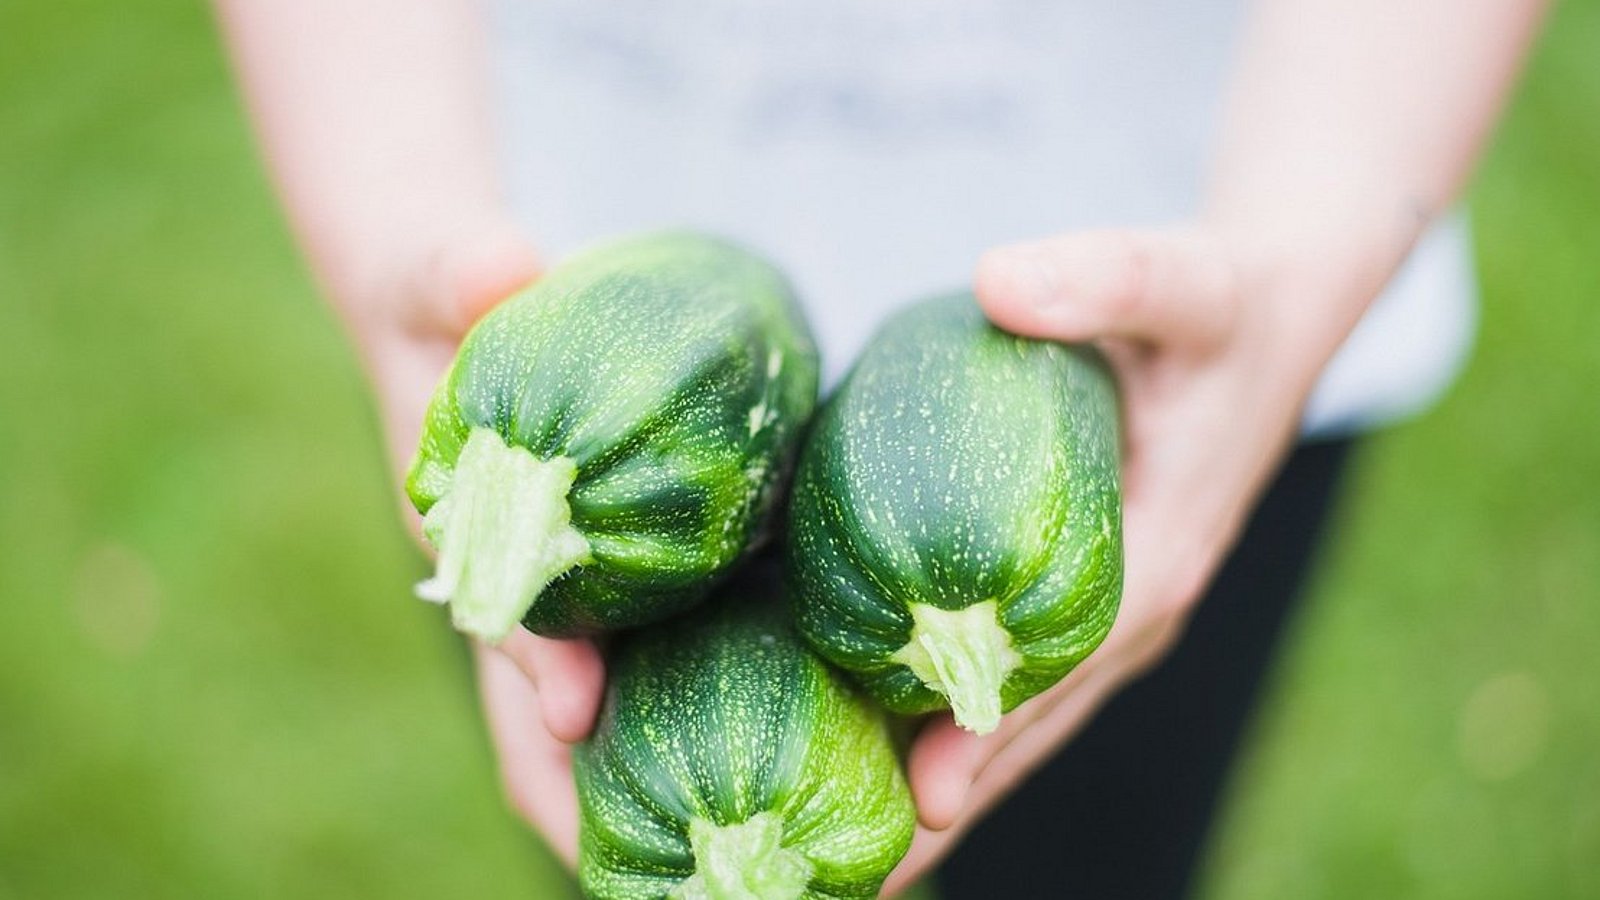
(539, 695)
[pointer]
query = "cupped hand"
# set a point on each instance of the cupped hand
(539, 695)
(1215, 347)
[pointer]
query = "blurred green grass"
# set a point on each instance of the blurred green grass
(213, 681)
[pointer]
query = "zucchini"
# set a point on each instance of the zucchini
(611, 439)
(729, 762)
(956, 530)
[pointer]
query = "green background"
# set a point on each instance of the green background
(214, 681)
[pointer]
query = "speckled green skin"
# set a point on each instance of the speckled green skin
(724, 715)
(677, 372)
(956, 464)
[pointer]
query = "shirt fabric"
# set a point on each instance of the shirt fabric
(875, 148)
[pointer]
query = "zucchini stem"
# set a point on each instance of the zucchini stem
(503, 530)
(965, 655)
(746, 861)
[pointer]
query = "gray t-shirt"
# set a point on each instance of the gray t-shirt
(874, 148)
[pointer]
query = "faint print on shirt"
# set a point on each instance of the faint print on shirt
(777, 71)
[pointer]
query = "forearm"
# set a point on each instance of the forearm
(373, 118)
(1351, 124)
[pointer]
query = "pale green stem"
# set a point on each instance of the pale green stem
(965, 655)
(503, 531)
(746, 861)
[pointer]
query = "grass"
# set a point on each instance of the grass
(213, 681)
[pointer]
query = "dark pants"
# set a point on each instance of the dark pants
(1123, 810)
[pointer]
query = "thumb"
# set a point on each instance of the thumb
(466, 276)
(1160, 287)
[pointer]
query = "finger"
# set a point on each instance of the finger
(569, 676)
(944, 760)
(535, 767)
(468, 276)
(927, 848)
(1164, 287)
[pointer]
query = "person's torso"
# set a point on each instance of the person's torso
(875, 149)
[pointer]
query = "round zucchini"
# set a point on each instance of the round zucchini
(731, 763)
(610, 440)
(955, 536)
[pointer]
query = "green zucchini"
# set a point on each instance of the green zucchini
(611, 439)
(730, 763)
(955, 538)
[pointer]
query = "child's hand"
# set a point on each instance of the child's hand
(1215, 348)
(539, 694)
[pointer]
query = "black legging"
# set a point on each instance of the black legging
(1123, 810)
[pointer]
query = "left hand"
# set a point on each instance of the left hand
(1215, 348)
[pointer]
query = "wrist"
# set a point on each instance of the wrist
(1307, 291)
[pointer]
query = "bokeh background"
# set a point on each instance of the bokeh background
(214, 681)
